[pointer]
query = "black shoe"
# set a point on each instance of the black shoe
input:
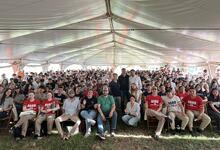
(155, 137)
(22, 137)
(37, 137)
(193, 133)
(200, 131)
(173, 132)
(182, 132)
(101, 136)
(168, 120)
(112, 133)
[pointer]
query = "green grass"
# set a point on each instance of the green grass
(132, 141)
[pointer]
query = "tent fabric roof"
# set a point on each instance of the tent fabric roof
(106, 32)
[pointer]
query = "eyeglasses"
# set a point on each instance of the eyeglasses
(154, 89)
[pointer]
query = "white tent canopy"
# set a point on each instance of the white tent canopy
(109, 32)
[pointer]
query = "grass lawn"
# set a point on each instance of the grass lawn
(127, 138)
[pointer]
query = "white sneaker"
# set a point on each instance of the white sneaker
(106, 133)
(93, 122)
(113, 134)
(87, 134)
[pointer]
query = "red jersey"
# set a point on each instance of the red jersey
(153, 102)
(33, 105)
(182, 95)
(49, 105)
(195, 103)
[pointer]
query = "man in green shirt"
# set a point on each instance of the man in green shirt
(106, 108)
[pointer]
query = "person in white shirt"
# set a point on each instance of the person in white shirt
(135, 79)
(175, 109)
(71, 109)
(132, 112)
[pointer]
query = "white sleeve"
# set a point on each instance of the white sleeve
(139, 83)
(64, 104)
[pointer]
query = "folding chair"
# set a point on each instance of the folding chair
(151, 121)
(5, 122)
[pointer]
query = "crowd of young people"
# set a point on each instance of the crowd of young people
(100, 96)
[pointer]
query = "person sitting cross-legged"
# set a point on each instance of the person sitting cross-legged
(71, 109)
(106, 108)
(132, 112)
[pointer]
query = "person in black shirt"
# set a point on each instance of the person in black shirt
(201, 93)
(162, 91)
(115, 91)
(147, 90)
(60, 95)
(214, 106)
(123, 81)
(50, 84)
(88, 111)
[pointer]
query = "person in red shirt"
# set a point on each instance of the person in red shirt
(194, 107)
(48, 109)
(31, 107)
(153, 107)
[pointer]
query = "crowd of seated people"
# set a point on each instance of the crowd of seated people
(100, 96)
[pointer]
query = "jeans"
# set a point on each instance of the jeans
(118, 103)
(112, 120)
(88, 115)
(3, 114)
(130, 120)
(124, 99)
(216, 117)
(19, 108)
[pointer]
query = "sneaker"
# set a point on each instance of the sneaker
(155, 137)
(87, 134)
(93, 122)
(65, 138)
(173, 132)
(22, 137)
(170, 121)
(101, 136)
(200, 131)
(193, 133)
(106, 133)
(182, 132)
(112, 134)
(39, 137)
